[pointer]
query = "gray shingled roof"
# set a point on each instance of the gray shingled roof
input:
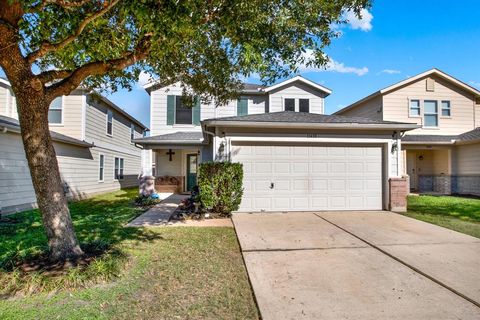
(302, 117)
(252, 87)
(471, 135)
(14, 125)
(176, 137)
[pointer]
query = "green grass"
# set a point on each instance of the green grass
(456, 213)
(168, 273)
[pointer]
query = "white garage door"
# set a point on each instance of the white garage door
(301, 178)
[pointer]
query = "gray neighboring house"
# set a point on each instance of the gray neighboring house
(93, 141)
(295, 158)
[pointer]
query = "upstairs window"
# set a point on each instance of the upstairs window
(289, 104)
(177, 113)
(132, 131)
(430, 113)
(415, 108)
(183, 115)
(446, 108)
(242, 106)
(55, 112)
(304, 105)
(118, 170)
(109, 122)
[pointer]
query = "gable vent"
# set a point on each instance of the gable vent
(430, 84)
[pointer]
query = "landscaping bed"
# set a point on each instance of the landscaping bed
(461, 214)
(173, 273)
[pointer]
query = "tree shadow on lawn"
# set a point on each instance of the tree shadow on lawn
(99, 224)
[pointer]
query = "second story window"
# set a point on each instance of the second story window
(304, 105)
(289, 104)
(55, 112)
(109, 122)
(179, 114)
(446, 112)
(132, 131)
(430, 113)
(242, 106)
(415, 108)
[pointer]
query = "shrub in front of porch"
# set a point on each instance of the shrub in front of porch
(220, 185)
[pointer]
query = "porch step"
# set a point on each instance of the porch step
(160, 214)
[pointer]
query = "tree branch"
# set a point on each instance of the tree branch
(47, 46)
(71, 82)
(49, 76)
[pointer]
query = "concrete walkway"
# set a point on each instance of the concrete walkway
(160, 214)
(358, 265)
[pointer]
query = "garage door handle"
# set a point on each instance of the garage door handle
(272, 185)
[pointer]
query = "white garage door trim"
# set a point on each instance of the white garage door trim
(309, 177)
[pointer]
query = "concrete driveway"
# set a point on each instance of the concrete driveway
(359, 265)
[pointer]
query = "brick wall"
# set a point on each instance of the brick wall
(444, 184)
(398, 188)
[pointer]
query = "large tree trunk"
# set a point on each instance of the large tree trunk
(42, 161)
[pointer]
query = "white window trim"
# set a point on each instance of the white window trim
(106, 123)
(132, 126)
(419, 106)
(423, 115)
(236, 105)
(175, 124)
(296, 103)
(114, 170)
(63, 114)
(103, 178)
(309, 104)
(449, 108)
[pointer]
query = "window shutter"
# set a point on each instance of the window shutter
(170, 110)
(242, 107)
(196, 112)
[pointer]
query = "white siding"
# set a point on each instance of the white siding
(296, 90)
(8, 105)
(256, 105)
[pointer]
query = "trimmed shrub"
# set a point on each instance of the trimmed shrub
(220, 185)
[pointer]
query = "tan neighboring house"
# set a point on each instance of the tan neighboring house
(93, 141)
(443, 155)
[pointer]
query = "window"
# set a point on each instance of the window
(303, 105)
(109, 122)
(55, 111)
(183, 115)
(446, 108)
(242, 106)
(132, 131)
(415, 108)
(430, 113)
(118, 171)
(289, 104)
(101, 164)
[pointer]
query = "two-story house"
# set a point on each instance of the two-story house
(294, 157)
(443, 154)
(93, 140)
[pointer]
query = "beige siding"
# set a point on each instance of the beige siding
(477, 115)
(371, 109)
(396, 107)
(296, 90)
(72, 116)
(468, 159)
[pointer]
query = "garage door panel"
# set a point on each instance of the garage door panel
(311, 177)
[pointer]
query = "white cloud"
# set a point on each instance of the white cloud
(389, 71)
(475, 84)
(331, 66)
(143, 79)
(364, 23)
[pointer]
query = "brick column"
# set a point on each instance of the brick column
(398, 188)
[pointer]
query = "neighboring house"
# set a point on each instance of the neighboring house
(443, 155)
(93, 142)
(294, 157)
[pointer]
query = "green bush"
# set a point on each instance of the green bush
(220, 185)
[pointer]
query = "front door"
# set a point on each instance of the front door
(412, 169)
(191, 171)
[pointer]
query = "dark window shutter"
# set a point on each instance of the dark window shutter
(196, 112)
(170, 110)
(242, 106)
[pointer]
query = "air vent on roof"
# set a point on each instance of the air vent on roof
(430, 84)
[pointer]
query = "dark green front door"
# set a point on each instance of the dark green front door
(191, 171)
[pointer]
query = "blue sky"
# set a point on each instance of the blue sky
(395, 40)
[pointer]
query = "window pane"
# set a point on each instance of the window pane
(183, 115)
(56, 103)
(430, 106)
(431, 121)
(116, 168)
(415, 111)
(109, 128)
(100, 174)
(414, 107)
(132, 132)
(304, 105)
(446, 112)
(289, 104)
(55, 116)
(121, 169)
(446, 108)
(109, 122)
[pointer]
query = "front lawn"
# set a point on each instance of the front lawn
(161, 273)
(457, 213)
